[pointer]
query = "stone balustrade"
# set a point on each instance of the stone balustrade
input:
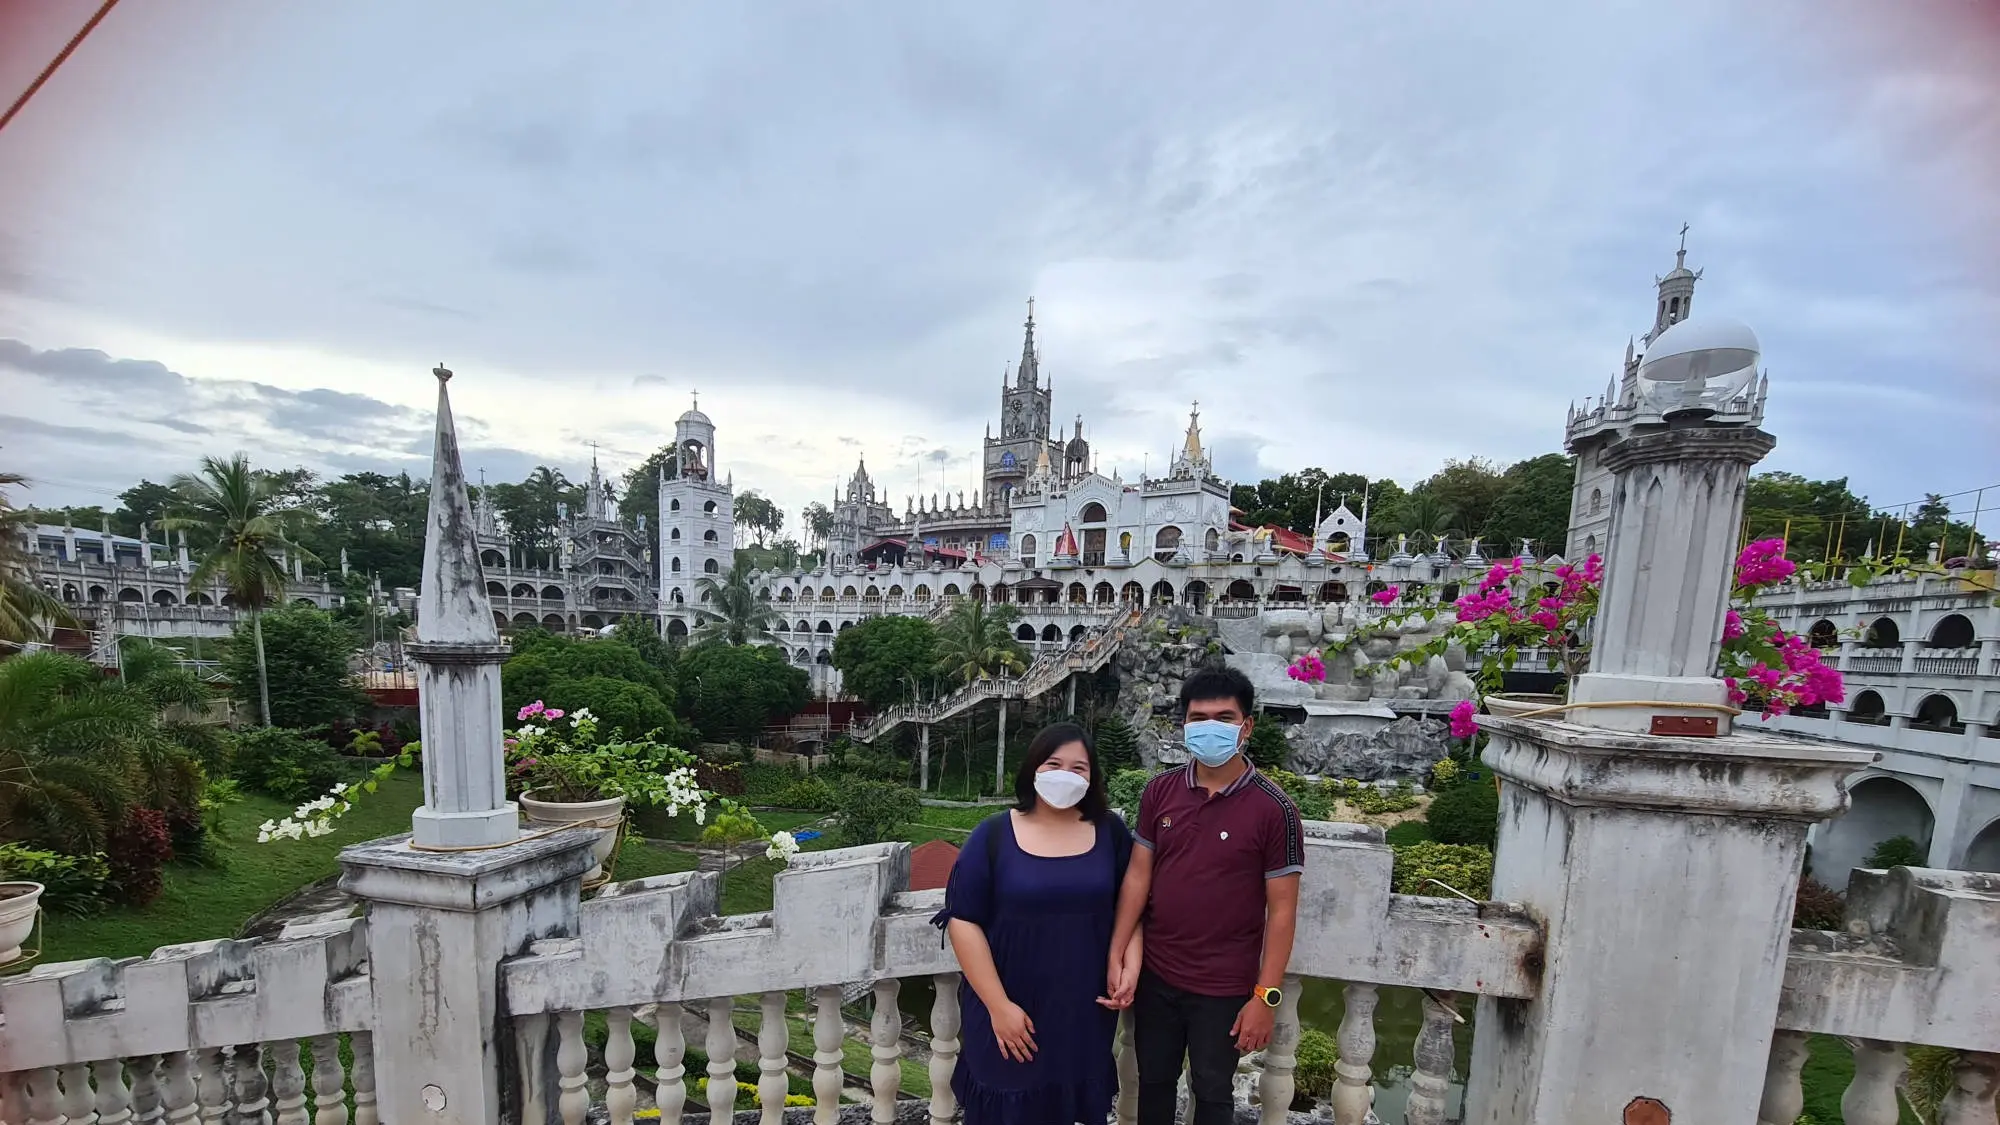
(257, 1031)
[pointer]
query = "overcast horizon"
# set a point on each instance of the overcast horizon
(1365, 240)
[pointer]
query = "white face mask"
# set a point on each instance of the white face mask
(1061, 788)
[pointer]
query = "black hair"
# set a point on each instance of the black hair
(1094, 806)
(1219, 683)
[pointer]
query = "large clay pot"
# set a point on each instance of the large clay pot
(555, 814)
(1511, 703)
(19, 903)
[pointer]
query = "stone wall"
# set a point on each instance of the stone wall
(1167, 647)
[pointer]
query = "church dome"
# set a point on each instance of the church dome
(1077, 448)
(696, 416)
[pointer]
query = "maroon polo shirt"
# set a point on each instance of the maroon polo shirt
(1211, 857)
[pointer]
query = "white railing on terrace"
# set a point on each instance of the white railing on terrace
(223, 1030)
(1947, 662)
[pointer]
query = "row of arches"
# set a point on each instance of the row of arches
(1883, 808)
(1935, 712)
(708, 507)
(708, 566)
(73, 593)
(1953, 630)
(674, 535)
(1163, 592)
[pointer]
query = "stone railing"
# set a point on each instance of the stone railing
(215, 1030)
(259, 1031)
(653, 951)
(1947, 662)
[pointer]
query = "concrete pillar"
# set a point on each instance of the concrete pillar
(1676, 506)
(1910, 647)
(1663, 870)
(1000, 753)
(439, 925)
(924, 757)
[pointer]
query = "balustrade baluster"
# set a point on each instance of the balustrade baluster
(177, 1089)
(1784, 1098)
(620, 1098)
(288, 1083)
(78, 1104)
(362, 1045)
(1975, 1085)
(944, 1047)
(887, 1032)
(211, 1087)
(531, 1042)
(1430, 1081)
(828, 1032)
(772, 1083)
(44, 1097)
(669, 1048)
(114, 1097)
(721, 1058)
(1871, 1098)
(13, 1098)
(145, 1089)
(1352, 1091)
(1127, 1107)
(1276, 1084)
(253, 1104)
(329, 1106)
(572, 1100)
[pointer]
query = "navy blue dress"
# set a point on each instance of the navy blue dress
(1048, 921)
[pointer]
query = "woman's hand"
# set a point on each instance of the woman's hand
(1014, 1030)
(1121, 979)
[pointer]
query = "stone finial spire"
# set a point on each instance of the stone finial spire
(1191, 448)
(1029, 372)
(458, 651)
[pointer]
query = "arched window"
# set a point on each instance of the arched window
(803, 626)
(922, 593)
(826, 593)
(1241, 590)
(492, 558)
(128, 594)
(1132, 593)
(1103, 594)
(1952, 631)
(495, 590)
(708, 536)
(674, 536)
(824, 627)
(1867, 708)
(1823, 634)
(163, 597)
(552, 593)
(1163, 593)
(710, 566)
(708, 509)
(1938, 712)
(1333, 591)
(824, 659)
(1212, 542)
(675, 506)
(1590, 544)
(677, 565)
(1052, 633)
(1165, 542)
(1125, 542)
(1093, 512)
(1027, 550)
(951, 590)
(1883, 634)
(1596, 501)
(523, 590)
(848, 592)
(785, 594)
(1026, 632)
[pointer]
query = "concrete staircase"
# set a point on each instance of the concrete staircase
(1087, 654)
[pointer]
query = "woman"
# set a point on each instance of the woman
(1029, 911)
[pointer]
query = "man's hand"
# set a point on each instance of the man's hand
(1252, 1028)
(1015, 1031)
(1121, 979)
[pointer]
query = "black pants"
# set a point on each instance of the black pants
(1169, 1024)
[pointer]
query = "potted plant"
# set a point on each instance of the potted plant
(20, 903)
(563, 773)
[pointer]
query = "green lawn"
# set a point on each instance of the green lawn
(964, 819)
(199, 902)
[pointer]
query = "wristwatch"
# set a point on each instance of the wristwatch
(1272, 997)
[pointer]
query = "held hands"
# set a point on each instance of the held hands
(1121, 980)
(1015, 1031)
(1252, 1028)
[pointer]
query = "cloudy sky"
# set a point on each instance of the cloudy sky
(1365, 236)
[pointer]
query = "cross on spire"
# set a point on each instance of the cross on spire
(1684, 236)
(697, 399)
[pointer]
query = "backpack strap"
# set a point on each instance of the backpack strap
(991, 834)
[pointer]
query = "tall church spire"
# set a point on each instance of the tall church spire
(1028, 374)
(1676, 298)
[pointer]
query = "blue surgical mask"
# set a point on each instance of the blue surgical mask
(1211, 742)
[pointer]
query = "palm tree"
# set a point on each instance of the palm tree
(977, 640)
(235, 510)
(731, 611)
(24, 606)
(1427, 517)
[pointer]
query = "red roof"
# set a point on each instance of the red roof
(930, 865)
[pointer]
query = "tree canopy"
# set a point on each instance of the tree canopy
(734, 691)
(887, 660)
(306, 652)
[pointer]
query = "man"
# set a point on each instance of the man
(1216, 879)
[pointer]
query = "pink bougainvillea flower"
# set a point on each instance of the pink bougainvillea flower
(1763, 563)
(552, 713)
(1384, 597)
(531, 710)
(1732, 626)
(1462, 725)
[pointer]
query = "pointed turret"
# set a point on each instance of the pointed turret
(452, 607)
(458, 651)
(1027, 375)
(1191, 447)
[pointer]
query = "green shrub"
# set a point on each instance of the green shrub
(1268, 748)
(763, 781)
(872, 811)
(1124, 789)
(284, 763)
(1466, 814)
(72, 884)
(1467, 868)
(1896, 851)
(1445, 773)
(808, 794)
(1117, 745)
(1408, 832)
(1817, 907)
(1316, 1054)
(1369, 799)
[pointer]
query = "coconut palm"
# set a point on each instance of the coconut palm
(1426, 517)
(24, 606)
(976, 640)
(235, 510)
(731, 611)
